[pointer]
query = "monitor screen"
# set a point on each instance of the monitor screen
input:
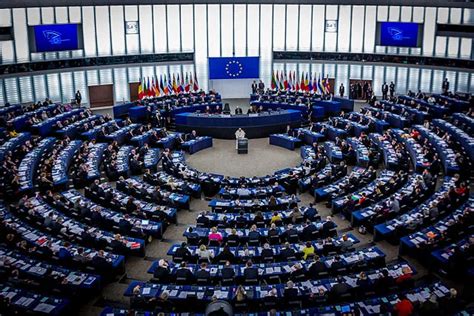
(399, 34)
(56, 37)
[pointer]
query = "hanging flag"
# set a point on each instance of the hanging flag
(196, 84)
(320, 87)
(306, 83)
(302, 85)
(174, 85)
(170, 85)
(281, 80)
(315, 85)
(157, 87)
(310, 84)
(285, 82)
(273, 83)
(140, 90)
(328, 86)
(150, 93)
(297, 86)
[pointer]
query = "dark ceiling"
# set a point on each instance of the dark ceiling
(58, 3)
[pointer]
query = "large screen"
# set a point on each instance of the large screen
(399, 34)
(55, 37)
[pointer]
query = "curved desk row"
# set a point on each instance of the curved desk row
(224, 126)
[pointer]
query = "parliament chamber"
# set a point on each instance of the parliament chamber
(247, 158)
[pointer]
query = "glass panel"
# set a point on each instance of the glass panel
(2, 97)
(356, 72)
(121, 87)
(159, 26)
(357, 24)
(132, 40)
(240, 29)
(174, 32)
(266, 43)
(88, 28)
(342, 76)
(11, 90)
(227, 26)
(344, 29)
(291, 27)
(466, 47)
(39, 84)
(105, 76)
(118, 30)
(34, 16)
(146, 29)
(21, 36)
(26, 89)
(305, 28)
(67, 87)
(414, 74)
(53, 87)
(401, 81)
(429, 31)
(370, 27)
(463, 82)
(253, 26)
(5, 18)
(103, 30)
(438, 77)
(456, 16)
(47, 16)
(330, 38)
(418, 14)
(92, 77)
(80, 84)
(406, 15)
(318, 28)
(367, 72)
(378, 79)
(134, 74)
(187, 28)
(394, 13)
(200, 20)
(279, 27)
(61, 15)
(425, 82)
(451, 75)
(382, 14)
(214, 30)
(75, 14)
(390, 73)
(440, 49)
(453, 47)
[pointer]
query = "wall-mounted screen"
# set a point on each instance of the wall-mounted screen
(399, 34)
(55, 37)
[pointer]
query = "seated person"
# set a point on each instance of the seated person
(290, 290)
(250, 272)
(203, 276)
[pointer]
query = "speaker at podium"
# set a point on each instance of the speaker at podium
(243, 146)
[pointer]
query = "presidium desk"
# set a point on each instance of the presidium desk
(224, 126)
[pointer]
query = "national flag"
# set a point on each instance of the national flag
(186, 86)
(156, 86)
(310, 84)
(297, 86)
(315, 85)
(196, 84)
(281, 80)
(140, 90)
(302, 85)
(170, 85)
(174, 85)
(150, 93)
(160, 85)
(273, 83)
(327, 85)
(306, 83)
(320, 87)
(285, 82)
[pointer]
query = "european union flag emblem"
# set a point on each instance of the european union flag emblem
(234, 68)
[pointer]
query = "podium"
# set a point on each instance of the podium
(242, 146)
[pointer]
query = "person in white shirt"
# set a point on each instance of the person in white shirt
(239, 134)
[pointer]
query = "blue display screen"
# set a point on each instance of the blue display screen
(56, 37)
(399, 34)
(234, 68)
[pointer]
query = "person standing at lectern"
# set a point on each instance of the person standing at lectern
(239, 134)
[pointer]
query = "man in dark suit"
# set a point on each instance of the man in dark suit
(203, 276)
(384, 91)
(339, 289)
(392, 89)
(316, 267)
(287, 252)
(341, 90)
(183, 274)
(182, 252)
(254, 87)
(250, 272)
